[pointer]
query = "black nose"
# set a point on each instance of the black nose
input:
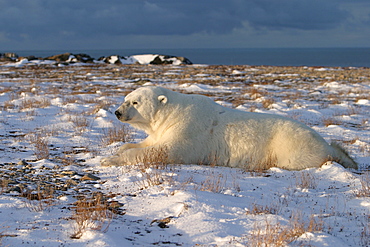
(118, 114)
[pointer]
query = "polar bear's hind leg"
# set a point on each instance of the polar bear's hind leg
(298, 148)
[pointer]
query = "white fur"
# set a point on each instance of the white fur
(195, 129)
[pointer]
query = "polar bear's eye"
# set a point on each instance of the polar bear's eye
(134, 103)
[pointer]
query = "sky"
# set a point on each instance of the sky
(128, 24)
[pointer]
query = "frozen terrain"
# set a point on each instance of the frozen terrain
(57, 122)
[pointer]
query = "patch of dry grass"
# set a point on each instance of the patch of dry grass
(305, 180)
(80, 122)
(215, 182)
(330, 120)
(101, 104)
(255, 209)
(30, 103)
(40, 142)
(40, 199)
(364, 191)
(91, 213)
(275, 234)
(71, 99)
(267, 103)
(365, 235)
(119, 133)
(4, 183)
(7, 105)
(154, 167)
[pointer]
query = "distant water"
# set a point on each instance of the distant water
(333, 57)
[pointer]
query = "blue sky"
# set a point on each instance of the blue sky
(121, 24)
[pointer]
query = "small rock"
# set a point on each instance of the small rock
(89, 176)
(115, 204)
(70, 182)
(15, 189)
(22, 163)
(162, 223)
(68, 173)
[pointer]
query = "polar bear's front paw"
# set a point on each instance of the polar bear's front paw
(110, 161)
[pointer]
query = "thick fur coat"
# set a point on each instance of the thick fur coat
(194, 129)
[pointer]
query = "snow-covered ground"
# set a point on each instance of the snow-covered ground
(56, 124)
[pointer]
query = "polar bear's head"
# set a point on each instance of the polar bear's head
(141, 105)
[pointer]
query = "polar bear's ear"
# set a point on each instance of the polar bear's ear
(162, 99)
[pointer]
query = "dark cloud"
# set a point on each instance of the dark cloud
(164, 17)
(55, 19)
(304, 14)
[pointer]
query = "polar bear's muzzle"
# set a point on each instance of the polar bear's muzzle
(123, 116)
(126, 113)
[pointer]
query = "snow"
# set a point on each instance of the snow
(144, 59)
(71, 108)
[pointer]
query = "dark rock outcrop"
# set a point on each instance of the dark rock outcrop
(154, 59)
(71, 58)
(165, 59)
(8, 57)
(112, 59)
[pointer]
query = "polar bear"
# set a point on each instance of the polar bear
(197, 130)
